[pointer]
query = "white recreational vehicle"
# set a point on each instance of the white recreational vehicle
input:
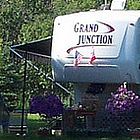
(98, 47)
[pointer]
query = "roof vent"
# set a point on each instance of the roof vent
(118, 4)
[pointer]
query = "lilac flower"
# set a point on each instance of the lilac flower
(48, 105)
(123, 101)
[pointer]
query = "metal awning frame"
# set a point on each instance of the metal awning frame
(14, 49)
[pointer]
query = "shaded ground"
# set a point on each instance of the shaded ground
(34, 123)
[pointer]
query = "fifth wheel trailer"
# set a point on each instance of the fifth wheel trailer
(113, 36)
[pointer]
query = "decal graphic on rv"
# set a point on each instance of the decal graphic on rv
(97, 34)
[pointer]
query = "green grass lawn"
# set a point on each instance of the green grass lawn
(34, 122)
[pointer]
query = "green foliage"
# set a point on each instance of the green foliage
(61, 7)
(133, 5)
(12, 20)
(36, 81)
(10, 79)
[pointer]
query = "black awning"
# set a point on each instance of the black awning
(38, 50)
(42, 46)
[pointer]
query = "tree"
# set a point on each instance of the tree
(10, 80)
(133, 5)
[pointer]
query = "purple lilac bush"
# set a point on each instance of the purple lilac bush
(48, 105)
(123, 101)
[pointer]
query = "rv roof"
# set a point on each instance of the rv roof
(104, 14)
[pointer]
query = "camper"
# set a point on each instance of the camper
(100, 47)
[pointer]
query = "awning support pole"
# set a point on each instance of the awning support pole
(24, 89)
